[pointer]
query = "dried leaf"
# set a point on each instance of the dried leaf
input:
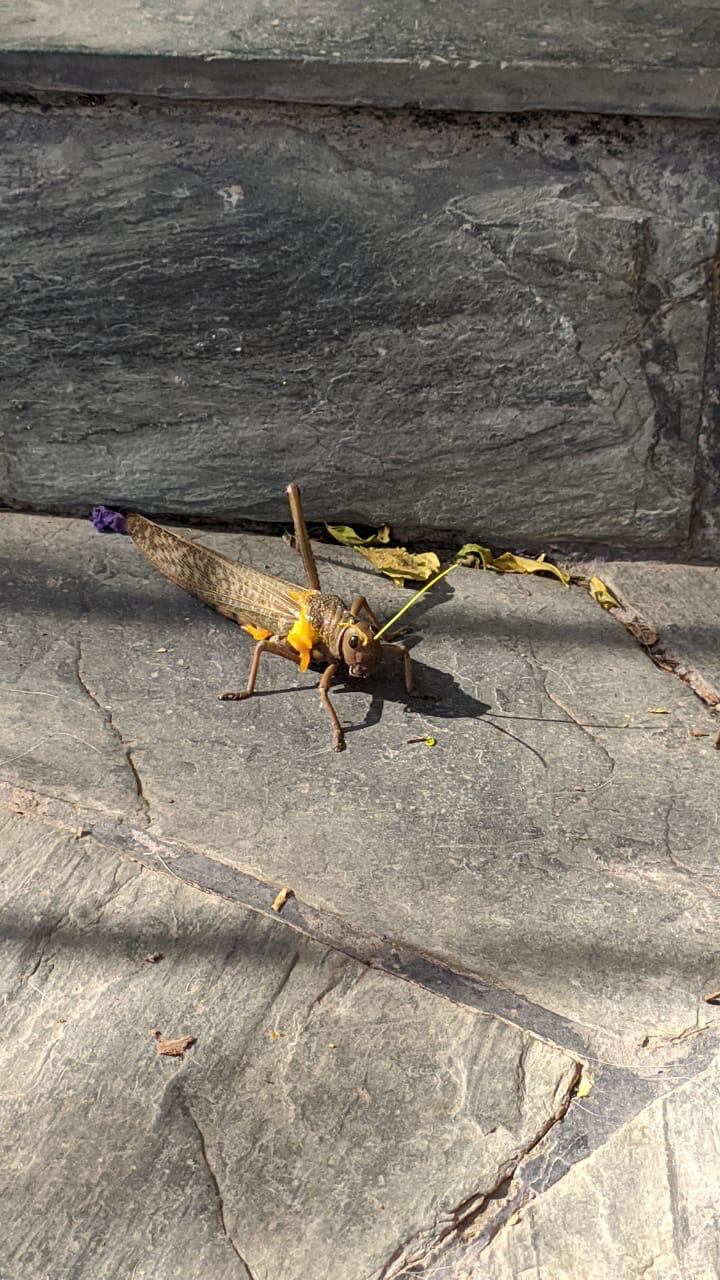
(644, 634)
(658, 711)
(509, 563)
(585, 1085)
(399, 564)
(172, 1048)
(349, 538)
(712, 997)
(473, 551)
(285, 893)
(602, 595)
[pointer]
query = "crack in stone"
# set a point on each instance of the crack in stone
(586, 729)
(467, 1215)
(648, 638)
(218, 1193)
(142, 800)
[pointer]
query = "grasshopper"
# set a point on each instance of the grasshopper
(302, 624)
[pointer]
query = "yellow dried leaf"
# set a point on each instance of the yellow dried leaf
(510, 563)
(658, 711)
(285, 893)
(349, 538)
(585, 1085)
(400, 564)
(473, 551)
(600, 593)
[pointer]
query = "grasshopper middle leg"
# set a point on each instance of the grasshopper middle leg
(275, 644)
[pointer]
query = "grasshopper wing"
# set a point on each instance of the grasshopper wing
(240, 593)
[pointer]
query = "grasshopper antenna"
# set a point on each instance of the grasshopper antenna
(387, 625)
(302, 539)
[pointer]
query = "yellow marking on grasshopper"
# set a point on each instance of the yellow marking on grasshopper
(257, 633)
(303, 637)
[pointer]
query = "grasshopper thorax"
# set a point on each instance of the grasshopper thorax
(359, 649)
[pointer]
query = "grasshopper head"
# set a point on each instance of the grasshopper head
(359, 650)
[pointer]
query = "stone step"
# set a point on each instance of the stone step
(617, 57)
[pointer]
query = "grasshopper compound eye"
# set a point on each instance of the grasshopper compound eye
(353, 640)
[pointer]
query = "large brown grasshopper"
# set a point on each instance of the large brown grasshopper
(302, 624)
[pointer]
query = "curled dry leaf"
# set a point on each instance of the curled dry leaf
(172, 1048)
(285, 893)
(473, 551)
(508, 562)
(602, 595)
(585, 1084)
(349, 538)
(398, 563)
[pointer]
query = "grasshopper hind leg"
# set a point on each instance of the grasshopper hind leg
(302, 538)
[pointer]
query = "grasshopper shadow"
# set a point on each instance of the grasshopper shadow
(438, 694)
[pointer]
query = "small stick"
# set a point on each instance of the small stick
(302, 538)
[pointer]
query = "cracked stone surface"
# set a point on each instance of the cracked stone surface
(646, 1204)
(682, 603)
(463, 54)
(328, 1122)
(560, 840)
(520, 307)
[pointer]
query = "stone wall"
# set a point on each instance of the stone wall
(496, 324)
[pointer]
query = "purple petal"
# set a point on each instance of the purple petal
(107, 521)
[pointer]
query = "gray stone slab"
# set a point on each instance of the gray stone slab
(645, 1204)
(627, 57)
(681, 603)
(499, 328)
(326, 1118)
(560, 840)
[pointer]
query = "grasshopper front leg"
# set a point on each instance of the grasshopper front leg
(407, 664)
(338, 731)
(360, 604)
